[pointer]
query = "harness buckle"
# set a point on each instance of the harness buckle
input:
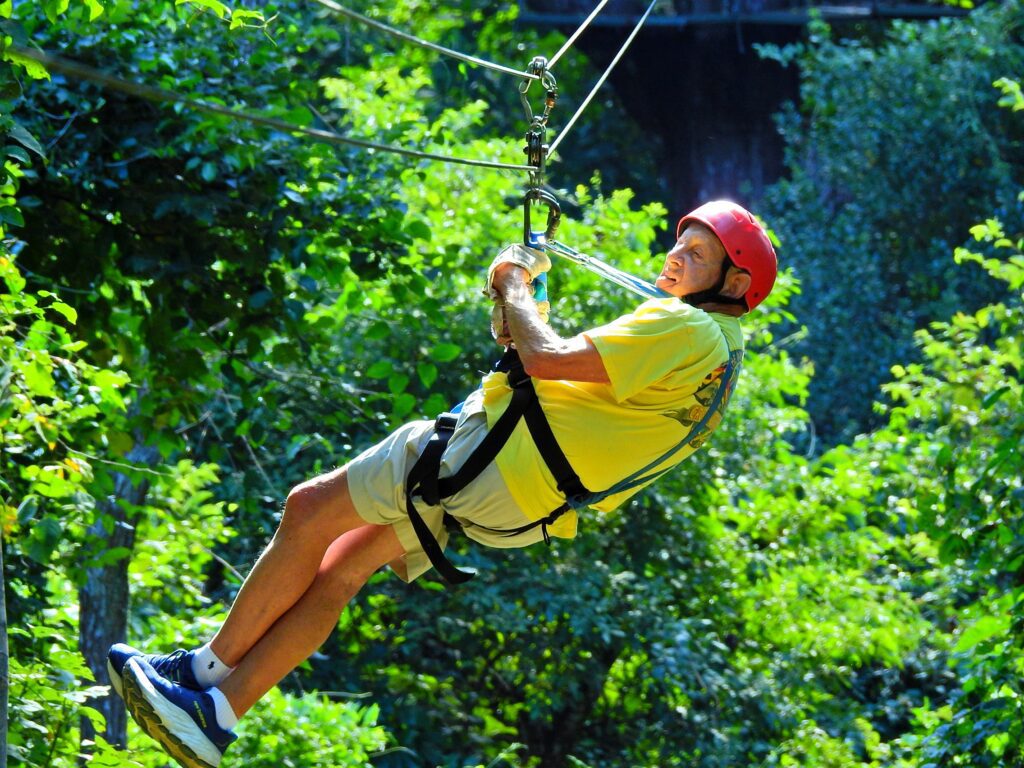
(512, 367)
(518, 377)
(446, 422)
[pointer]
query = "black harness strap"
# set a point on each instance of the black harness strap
(568, 482)
(423, 478)
(488, 449)
(424, 472)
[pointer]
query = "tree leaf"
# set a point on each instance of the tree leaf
(217, 7)
(69, 312)
(397, 383)
(983, 629)
(380, 369)
(34, 69)
(11, 215)
(403, 405)
(427, 373)
(54, 8)
(418, 229)
(19, 154)
(445, 352)
(993, 397)
(39, 378)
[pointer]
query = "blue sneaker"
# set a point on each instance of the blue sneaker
(183, 721)
(175, 666)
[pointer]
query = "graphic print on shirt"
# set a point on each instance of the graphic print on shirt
(690, 416)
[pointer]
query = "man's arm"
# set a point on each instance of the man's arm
(545, 355)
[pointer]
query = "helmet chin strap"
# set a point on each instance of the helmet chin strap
(713, 294)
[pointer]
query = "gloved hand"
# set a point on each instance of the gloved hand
(534, 261)
(499, 325)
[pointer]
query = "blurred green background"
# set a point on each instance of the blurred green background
(197, 313)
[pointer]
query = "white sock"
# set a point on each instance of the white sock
(208, 668)
(226, 717)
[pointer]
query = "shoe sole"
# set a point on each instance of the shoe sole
(158, 718)
(115, 679)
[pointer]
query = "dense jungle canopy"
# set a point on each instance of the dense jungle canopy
(197, 313)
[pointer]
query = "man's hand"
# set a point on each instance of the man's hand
(509, 277)
(545, 355)
(533, 261)
(499, 325)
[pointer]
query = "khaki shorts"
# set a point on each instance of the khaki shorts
(376, 482)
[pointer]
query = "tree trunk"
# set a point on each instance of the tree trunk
(103, 600)
(4, 653)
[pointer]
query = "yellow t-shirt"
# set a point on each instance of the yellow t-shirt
(665, 361)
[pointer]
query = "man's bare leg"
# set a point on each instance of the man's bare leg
(348, 563)
(321, 555)
(316, 513)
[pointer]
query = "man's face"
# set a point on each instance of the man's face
(694, 263)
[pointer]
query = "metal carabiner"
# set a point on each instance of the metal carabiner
(550, 96)
(538, 67)
(537, 239)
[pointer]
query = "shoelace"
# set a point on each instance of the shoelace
(170, 666)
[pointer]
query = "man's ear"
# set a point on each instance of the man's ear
(737, 283)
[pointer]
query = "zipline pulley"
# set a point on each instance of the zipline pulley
(536, 148)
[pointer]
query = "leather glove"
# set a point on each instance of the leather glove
(499, 327)
(535, 262)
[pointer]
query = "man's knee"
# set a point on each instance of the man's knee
(317, 505)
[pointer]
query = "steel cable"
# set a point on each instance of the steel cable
(635, 284)
(342, 11)
(152, 93)
(568, 43)
(600, 82)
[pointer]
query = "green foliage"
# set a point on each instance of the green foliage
(309, 730)
(177, 528)
(962, 414)
(259, 309)
(49, 691)
(895, 151)
(58, 413)
(53, 409)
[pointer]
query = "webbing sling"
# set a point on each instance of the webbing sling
(645, 475)
(423, 480)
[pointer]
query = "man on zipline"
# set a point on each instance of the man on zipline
(609, 409)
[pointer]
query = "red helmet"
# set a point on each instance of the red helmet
(745, 241)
